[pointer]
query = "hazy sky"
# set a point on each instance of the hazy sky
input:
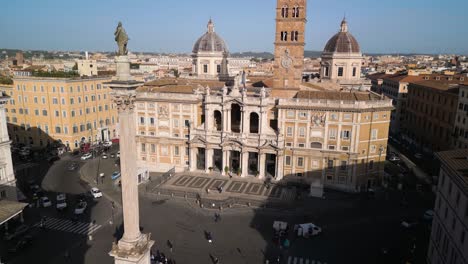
(386, 26)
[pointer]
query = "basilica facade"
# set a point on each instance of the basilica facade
(335, 139)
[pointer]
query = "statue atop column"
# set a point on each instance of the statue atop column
(121, 38)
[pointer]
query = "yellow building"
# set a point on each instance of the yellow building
(71, 110)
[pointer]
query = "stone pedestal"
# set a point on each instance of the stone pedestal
(133, 247)
(122, 69)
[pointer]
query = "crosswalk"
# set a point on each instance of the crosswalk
(65, 225)
(300, 260)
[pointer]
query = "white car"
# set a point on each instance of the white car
(104, 156)
(107, 144)
(80, 207)
(61, 201)
(307, 230)
(96, 192)
(45, 201)
(86, 156)
(394, 158)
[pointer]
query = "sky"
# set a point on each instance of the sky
(386, 26)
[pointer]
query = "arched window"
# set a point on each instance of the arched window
(254, 123)
(296, 34)
(284, 35)
(284, 11)
(218, 120)
(295, 11)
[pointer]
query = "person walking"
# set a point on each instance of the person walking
(169, 244)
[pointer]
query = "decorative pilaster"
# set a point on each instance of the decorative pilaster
(245, 163)
(193, 159)
(261, 165)
(279, 167)
(208, 159)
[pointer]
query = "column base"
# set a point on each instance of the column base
(133, 252)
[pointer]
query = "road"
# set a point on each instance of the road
(355, 230)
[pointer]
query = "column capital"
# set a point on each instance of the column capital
(124, 102)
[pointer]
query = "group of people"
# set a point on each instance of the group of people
(160, 258)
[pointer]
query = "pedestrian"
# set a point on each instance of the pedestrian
(169, 244)
(209, 237)
(207, 190)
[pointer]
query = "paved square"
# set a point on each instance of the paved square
(273, 192)
(183, 180)
(216, 183)
(236, 187)
(199, 182)
(254, 189)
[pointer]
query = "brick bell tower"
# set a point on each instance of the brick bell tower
(289, 46)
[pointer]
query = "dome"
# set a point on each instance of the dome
(210, 41)
(343, 42)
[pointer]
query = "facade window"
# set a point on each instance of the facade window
(340, 71)
(300, 161)
(374, 134)
(63, 101)
(43, 100)
(289, 131)
(302, 132)
(331, 147)
(64, 113)
(44, 112)
(176, 123)
(54, 100)
(72, 100)
(153, 148)
(36, 112)
(152, 120)
(290, 114)
(57, 114)
(327, 71)
(373, 149)
(345, 134)
(303, 114)
(143, 147)
(354, 71)
(57, 130)
(176, 150)
(65, 130)
(343, 165)
(218, 68)
(205, 68)
(62, 90)
(284, 36)
(332, 133)
(347, 116)
(295, 11)
(284, 12)
(35, 99)
(330, 164)
(288, 160)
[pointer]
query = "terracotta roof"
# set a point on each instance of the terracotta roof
(173, 85)
(444, 86)
(336, 95)
(457, 160)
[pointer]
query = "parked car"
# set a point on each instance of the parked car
(112, 155)
(118, 154)
(24, 242)
(104, 156)
(61, 201)
(115, 175)
(45, 202)
(96, 193)
(86, 156)
(80, 207)
(394, 158)
(307, 230)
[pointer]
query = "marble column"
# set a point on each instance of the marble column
(228, 125)
(193, 159)
(224, 162)
(261, 165)
(245, 122)
(279, 167)
(245, 163)
(208, 159)
(133, 247)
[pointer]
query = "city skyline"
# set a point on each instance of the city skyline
(83, 28)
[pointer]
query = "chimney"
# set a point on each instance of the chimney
(86, 55)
